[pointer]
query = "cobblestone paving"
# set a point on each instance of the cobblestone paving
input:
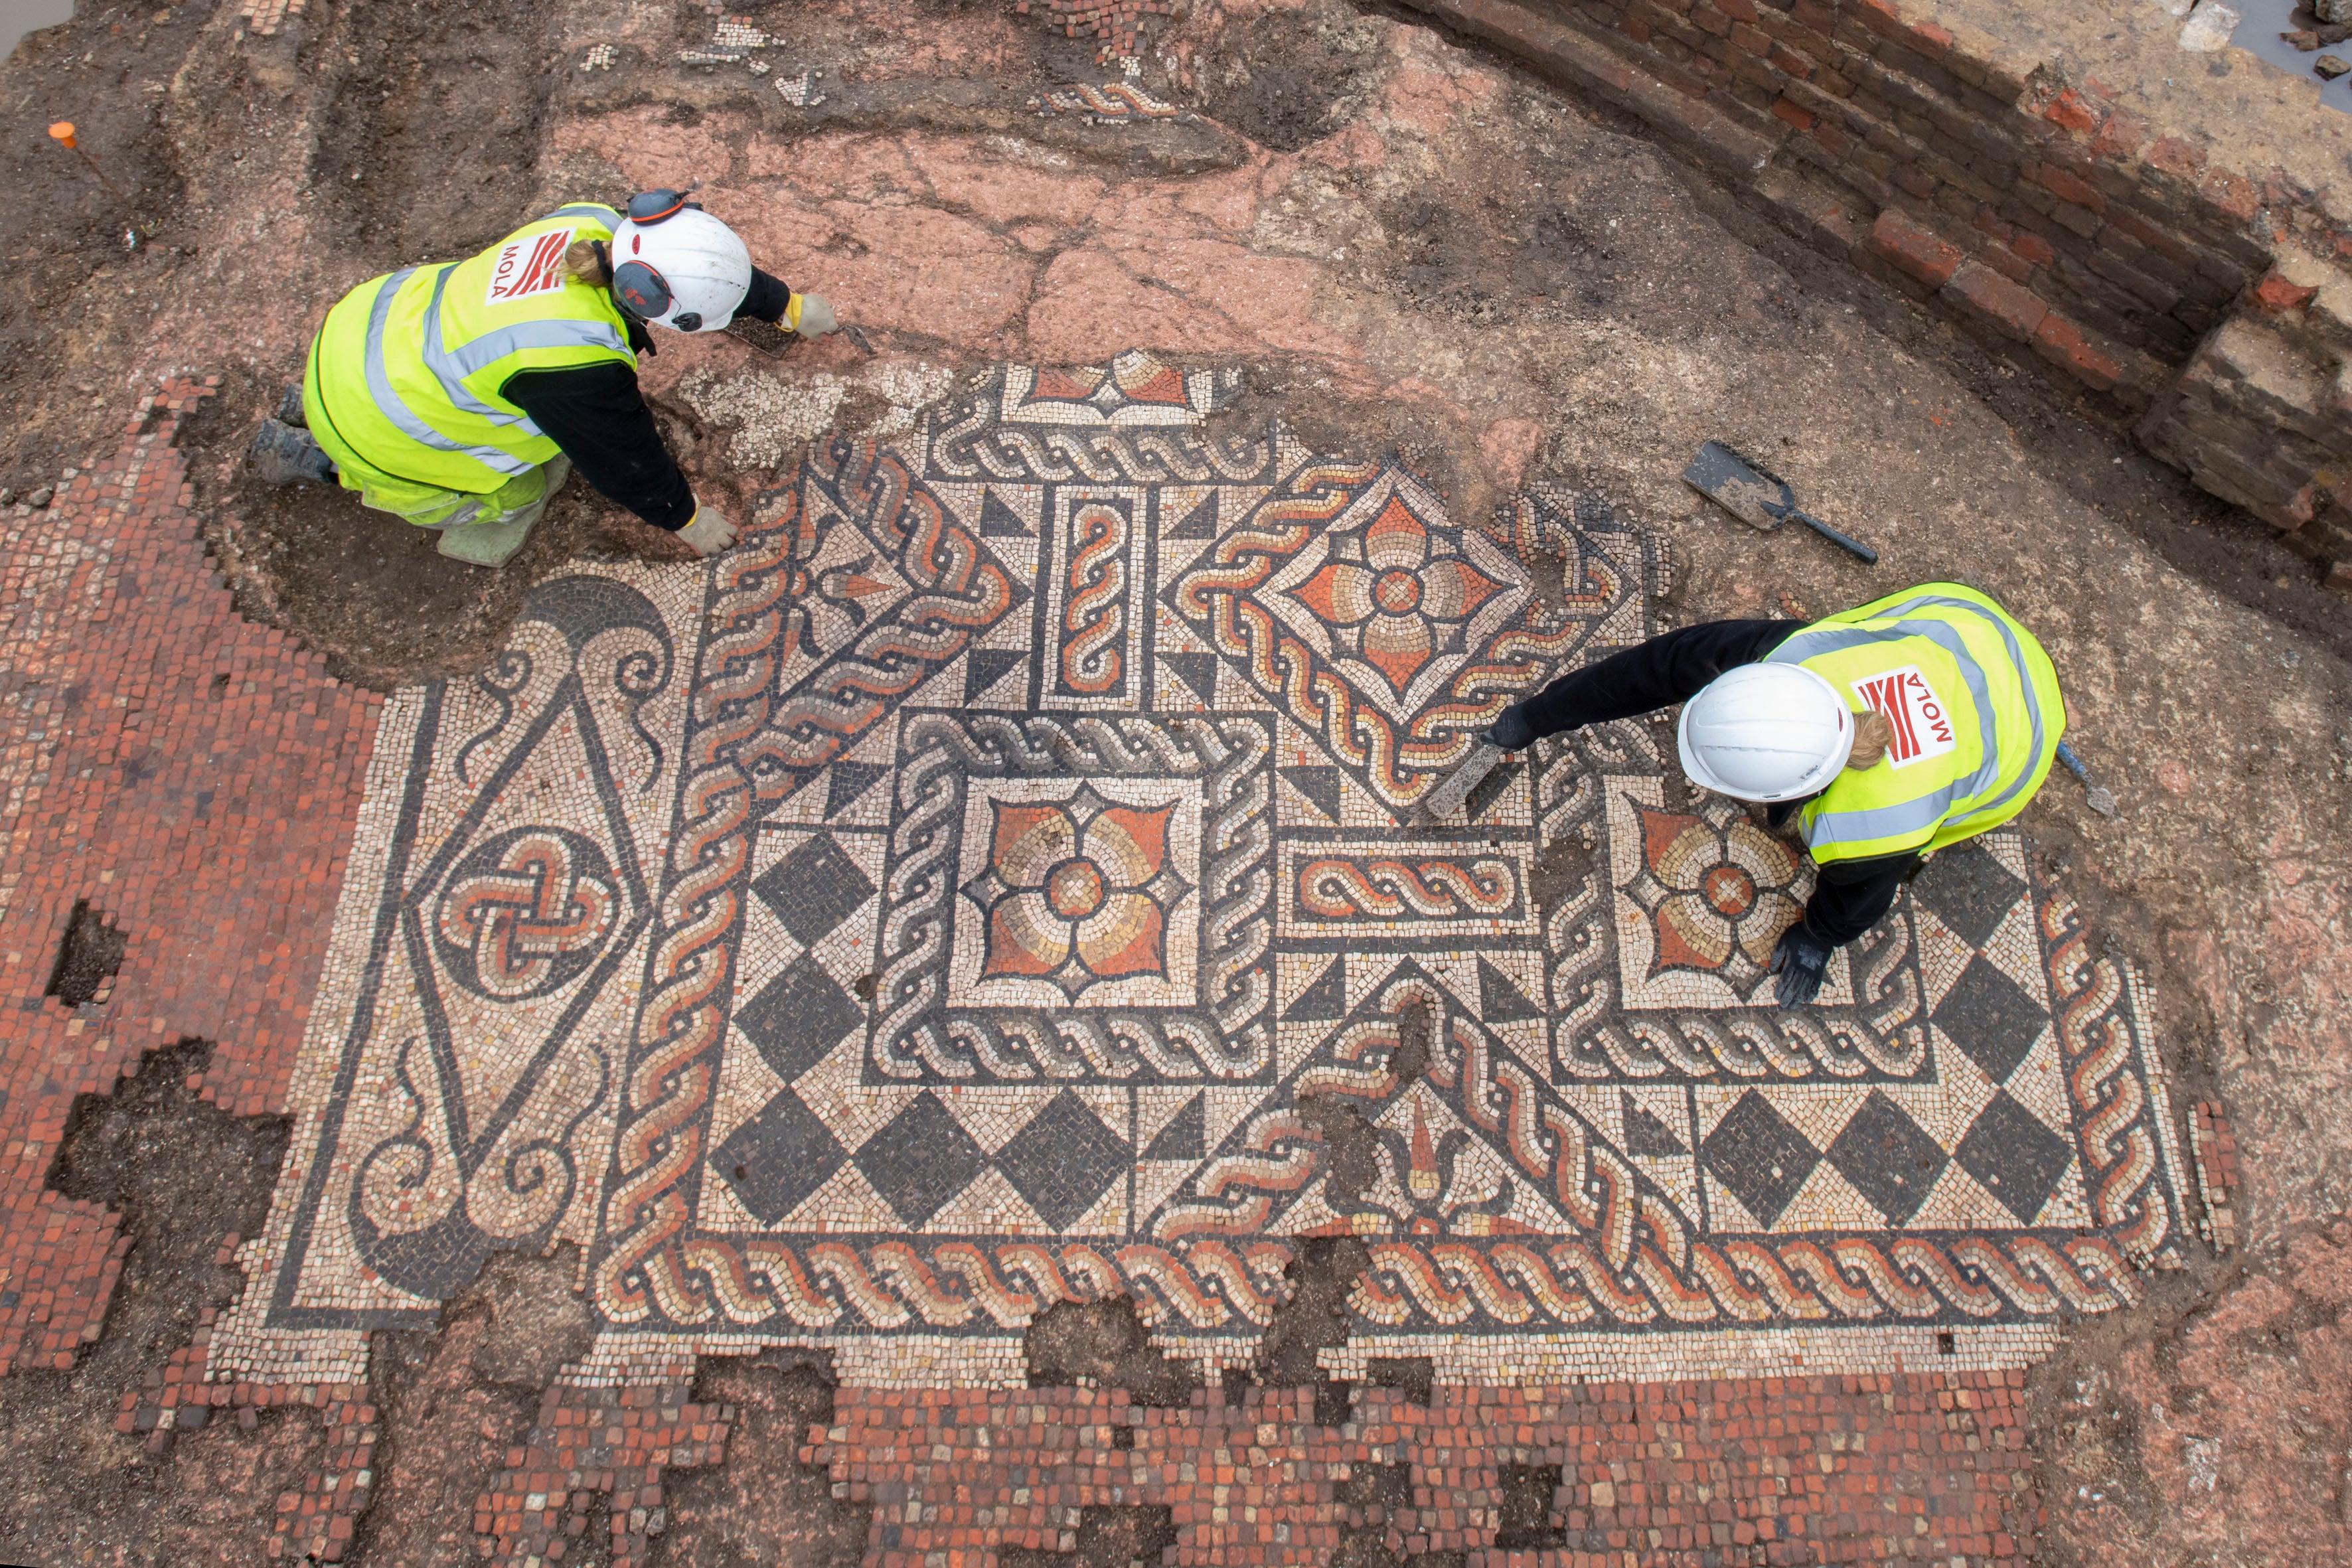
(948, 903)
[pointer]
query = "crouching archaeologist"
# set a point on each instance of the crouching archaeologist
(1886, 732)
(459, 397)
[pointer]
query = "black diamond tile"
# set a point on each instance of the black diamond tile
(1968, 891)
(1987, 1016)
(798, 1017)
(778, 1158)
(989, 666)
(1320, 785)
(1197, 671)
(1762, 1159)
(849, 781)
(1186, 1136)
(1063, 1160)
(1500, 1000)
(1326, 998)
(2014, 1156)
(1887, 1159)
(1644, 1134)
(814, 889)
(923, 1158)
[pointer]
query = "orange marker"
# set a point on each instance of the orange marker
(62, 132)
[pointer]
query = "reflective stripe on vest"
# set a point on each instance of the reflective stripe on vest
(414, 393)
(1880, 811)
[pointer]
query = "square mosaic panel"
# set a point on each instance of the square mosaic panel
(954, 899)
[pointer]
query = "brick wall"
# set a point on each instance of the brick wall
(2046, 216)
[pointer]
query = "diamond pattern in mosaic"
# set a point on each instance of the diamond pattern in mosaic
(1990, 1016)
(1757, 1154)
(1063, 1161)
(2014, 1156)
(1968, 891)
(1886, 1158)
(778, 1158)
(798, 1017)
(923, 1158)
(814, 887)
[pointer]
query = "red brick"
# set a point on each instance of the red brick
(2069, 109)
(1800, 118)
(2033, 247)
(2066, 187)
(2083, 355)
(1904, 244)
(2123, 135)
(2276, 295)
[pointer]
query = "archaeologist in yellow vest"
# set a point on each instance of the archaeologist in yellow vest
(458, 397)
(1886, 732)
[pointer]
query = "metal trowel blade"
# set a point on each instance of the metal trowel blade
(857, 334)
(1755, 497)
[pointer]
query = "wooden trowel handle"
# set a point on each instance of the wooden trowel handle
(1869, 556)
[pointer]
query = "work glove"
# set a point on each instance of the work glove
(707, 531)
(1511, 731)
(809, 315)
(1800, 961)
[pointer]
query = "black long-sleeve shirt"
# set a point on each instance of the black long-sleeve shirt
(599, 418)
(1849, 896)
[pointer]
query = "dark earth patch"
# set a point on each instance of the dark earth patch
(1104, 1342)
(452, 1399)
(89, 955)
(184, 1176)
(444, 96)
(1108, 1536)
(763, 1508)
(371, 591)
(1288, 77)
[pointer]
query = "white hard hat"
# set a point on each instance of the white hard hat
(1765, 732)
(676, 265)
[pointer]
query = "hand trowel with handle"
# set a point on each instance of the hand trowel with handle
(1758, 496)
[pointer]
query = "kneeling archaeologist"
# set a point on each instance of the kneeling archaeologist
(1887, 732)
(458, 397)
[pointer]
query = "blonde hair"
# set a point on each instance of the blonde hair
(581, 260)
(1872, 735)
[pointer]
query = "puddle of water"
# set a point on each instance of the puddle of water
(18, 17)
(2258, 34)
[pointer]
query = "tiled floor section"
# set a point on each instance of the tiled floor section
(949, 902)
(1916, 1469)
(182, 771)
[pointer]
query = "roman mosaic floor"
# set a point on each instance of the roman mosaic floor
(953, 901)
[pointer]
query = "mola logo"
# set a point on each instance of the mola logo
(1922, 724)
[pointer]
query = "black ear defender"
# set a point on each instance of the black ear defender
(642, 289)
(652, 207)
(687, 321)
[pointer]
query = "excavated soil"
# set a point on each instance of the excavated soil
(431, 146)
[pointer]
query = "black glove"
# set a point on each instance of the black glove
(1800, 961)
(1510, 731)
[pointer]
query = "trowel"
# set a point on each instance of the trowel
(1756, 496)
(772, 341)
(2097, 797)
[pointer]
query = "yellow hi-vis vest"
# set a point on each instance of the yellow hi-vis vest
(1974, 705)
(403, 377)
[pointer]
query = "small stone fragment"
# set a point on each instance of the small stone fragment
(2330, 67)
(40, 498)
(2303, 38)
(8, 496)
(2332, 11)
